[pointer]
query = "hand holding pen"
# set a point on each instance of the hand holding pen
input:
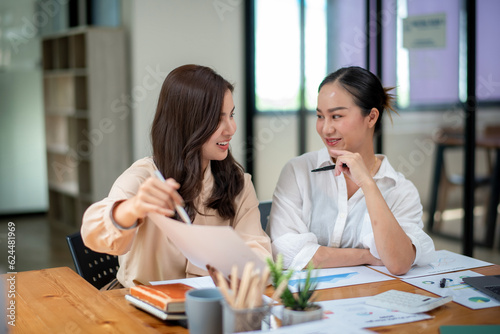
(154, 195)
(180, 210)
(353, 165)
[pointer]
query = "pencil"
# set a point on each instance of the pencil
(224, 289)
(265, 277)
(279, 289)
(182, 213)
(253, 290)
(234, 278)
(245, 282)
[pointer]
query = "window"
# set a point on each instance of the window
(347, 38)
(427, 73)
(488, 51)
(290, 53)
(431, 77)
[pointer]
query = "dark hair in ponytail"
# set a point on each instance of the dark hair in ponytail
(365, 88)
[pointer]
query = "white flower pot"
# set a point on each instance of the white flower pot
(292, 317)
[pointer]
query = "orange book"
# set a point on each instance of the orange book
(169, 298)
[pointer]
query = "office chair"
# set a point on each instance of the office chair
(265, 210)
(443, 182)
(96, 268)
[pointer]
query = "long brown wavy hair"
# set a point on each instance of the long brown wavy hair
(188, 113)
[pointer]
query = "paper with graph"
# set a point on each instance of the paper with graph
(356, 311)
(444, 262)
(335, 277)
(461, 292)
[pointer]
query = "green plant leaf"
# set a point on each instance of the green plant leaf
(305, 290)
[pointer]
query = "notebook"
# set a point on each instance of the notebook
(489, 284)
(154, 310)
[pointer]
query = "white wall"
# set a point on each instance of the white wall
(165, 34)
(23, 180)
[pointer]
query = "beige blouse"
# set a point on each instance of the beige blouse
(144, 253)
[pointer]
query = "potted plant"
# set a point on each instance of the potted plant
(298, 307)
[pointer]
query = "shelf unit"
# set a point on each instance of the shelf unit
(86, 121)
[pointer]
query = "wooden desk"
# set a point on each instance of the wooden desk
(57, 300)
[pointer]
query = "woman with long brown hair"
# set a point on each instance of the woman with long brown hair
(191, 132)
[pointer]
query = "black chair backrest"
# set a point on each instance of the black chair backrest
(265, 210)
(96, 268)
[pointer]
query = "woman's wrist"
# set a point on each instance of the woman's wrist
(368, 184)
(116, 215)
(365, 256)
(369, 259)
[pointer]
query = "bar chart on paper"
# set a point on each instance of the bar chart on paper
(332, 279)
(335, 277)
(444, 261)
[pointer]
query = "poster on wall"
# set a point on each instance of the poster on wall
(424, 31)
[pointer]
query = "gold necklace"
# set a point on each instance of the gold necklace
(374, 165)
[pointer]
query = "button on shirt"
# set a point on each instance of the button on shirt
(312, 210)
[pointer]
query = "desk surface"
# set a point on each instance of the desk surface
(58, 300)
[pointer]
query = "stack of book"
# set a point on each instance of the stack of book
(165, 301)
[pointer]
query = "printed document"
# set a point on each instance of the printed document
(219, 246)
(444, 262)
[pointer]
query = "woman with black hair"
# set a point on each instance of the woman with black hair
(344, 205)
(191, 132)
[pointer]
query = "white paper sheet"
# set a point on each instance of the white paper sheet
(219, 246)
(355, 311)
(462, 293)
(444, 262)
(318, 327)
(335, 277)
(196, 282)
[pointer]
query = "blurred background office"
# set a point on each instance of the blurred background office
(276, 52)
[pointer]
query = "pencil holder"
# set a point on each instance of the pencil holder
(244, 320)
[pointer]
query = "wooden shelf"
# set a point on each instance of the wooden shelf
(84, 73)
(56, 132)
(64, 72)
(61, 149)
(67, 188)
(78, 49)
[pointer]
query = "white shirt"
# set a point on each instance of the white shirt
(312, 210)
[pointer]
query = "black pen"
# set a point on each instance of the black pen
(329, 167)
(442, 283)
